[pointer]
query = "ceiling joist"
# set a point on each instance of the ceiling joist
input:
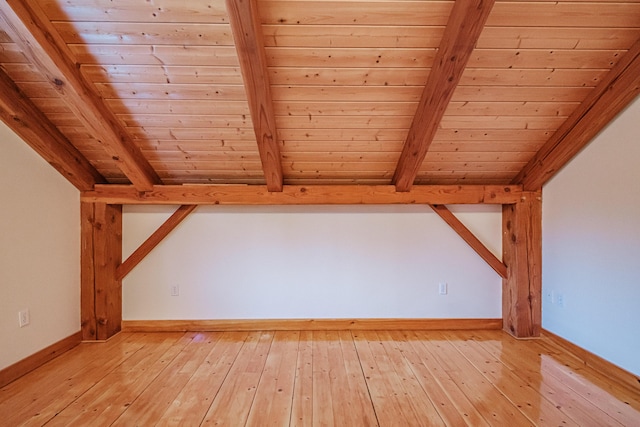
(463, 29)
(616, 90)
(247, 33)
(38, 40)
(30, 124)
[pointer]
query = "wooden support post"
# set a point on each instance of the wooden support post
(101, 291)
(522, 253)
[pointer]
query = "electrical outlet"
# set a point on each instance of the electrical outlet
(23, 318)
(442, 288)
(560, 300)
(175, 290)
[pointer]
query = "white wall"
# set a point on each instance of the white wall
(311, 262)
(591, 245)
(39, 251)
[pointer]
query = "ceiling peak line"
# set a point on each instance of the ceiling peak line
(461, 34)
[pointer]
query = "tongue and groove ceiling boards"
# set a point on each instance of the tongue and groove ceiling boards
(304, 92)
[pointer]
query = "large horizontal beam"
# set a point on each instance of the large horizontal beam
(304, 195)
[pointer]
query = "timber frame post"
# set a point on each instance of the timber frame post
(101, 254)
(522, 254)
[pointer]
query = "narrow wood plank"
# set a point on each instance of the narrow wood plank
(65, 382)
(273, 401)
(192, 403)
(31, 30)
(460, 36)
(414, 395)
(154, 240)
(451, 403)
(524, 394)
(233, 401)
(578, 392)
(493, 405)
(302, 402)
(247, 33)
(300, 195)
(148, 407)
(390, 399)
(107, 400)
(614, 92)
(466, 235)
(522, 254)
(24, 118)
(107, 229)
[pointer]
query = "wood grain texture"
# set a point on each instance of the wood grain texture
(154, 240)
(466, 235)
(107, 228)
(24, 118)
(522, 253)
(34, 361)
(308, 324)
(87, 272)
(301, 195)
(611, 371)
(308, 378)
(33, 33)
(245, 23)
(460, 36)
(615, 91)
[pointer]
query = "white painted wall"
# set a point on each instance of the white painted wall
(591, 245)
(39, 251)
(311, 262)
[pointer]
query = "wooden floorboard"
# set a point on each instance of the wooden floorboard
(318, 378)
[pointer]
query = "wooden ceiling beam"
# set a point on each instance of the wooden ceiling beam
(463, 29)
(616, 90)
(475, 243)
(247, 33)
(304, 195)
(27, 26)
(28, 122)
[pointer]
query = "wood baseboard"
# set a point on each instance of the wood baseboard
(28, 364)
(608, 369)
(308, 325)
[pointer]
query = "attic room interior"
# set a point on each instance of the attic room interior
(312, 212)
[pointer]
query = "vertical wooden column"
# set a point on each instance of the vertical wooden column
(101, 291)
(522, 253)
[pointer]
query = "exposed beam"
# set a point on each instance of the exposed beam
(247, 33)
(304, 195)
(163, 231)
(463, 29)
(522, 253)
(27, 26)
(471, 239)
(101, 291)
(28, 122)
(618, 88)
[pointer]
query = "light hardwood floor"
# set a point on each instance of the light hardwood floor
(304, 378)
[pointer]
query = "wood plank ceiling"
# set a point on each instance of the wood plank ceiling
(304, 92)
